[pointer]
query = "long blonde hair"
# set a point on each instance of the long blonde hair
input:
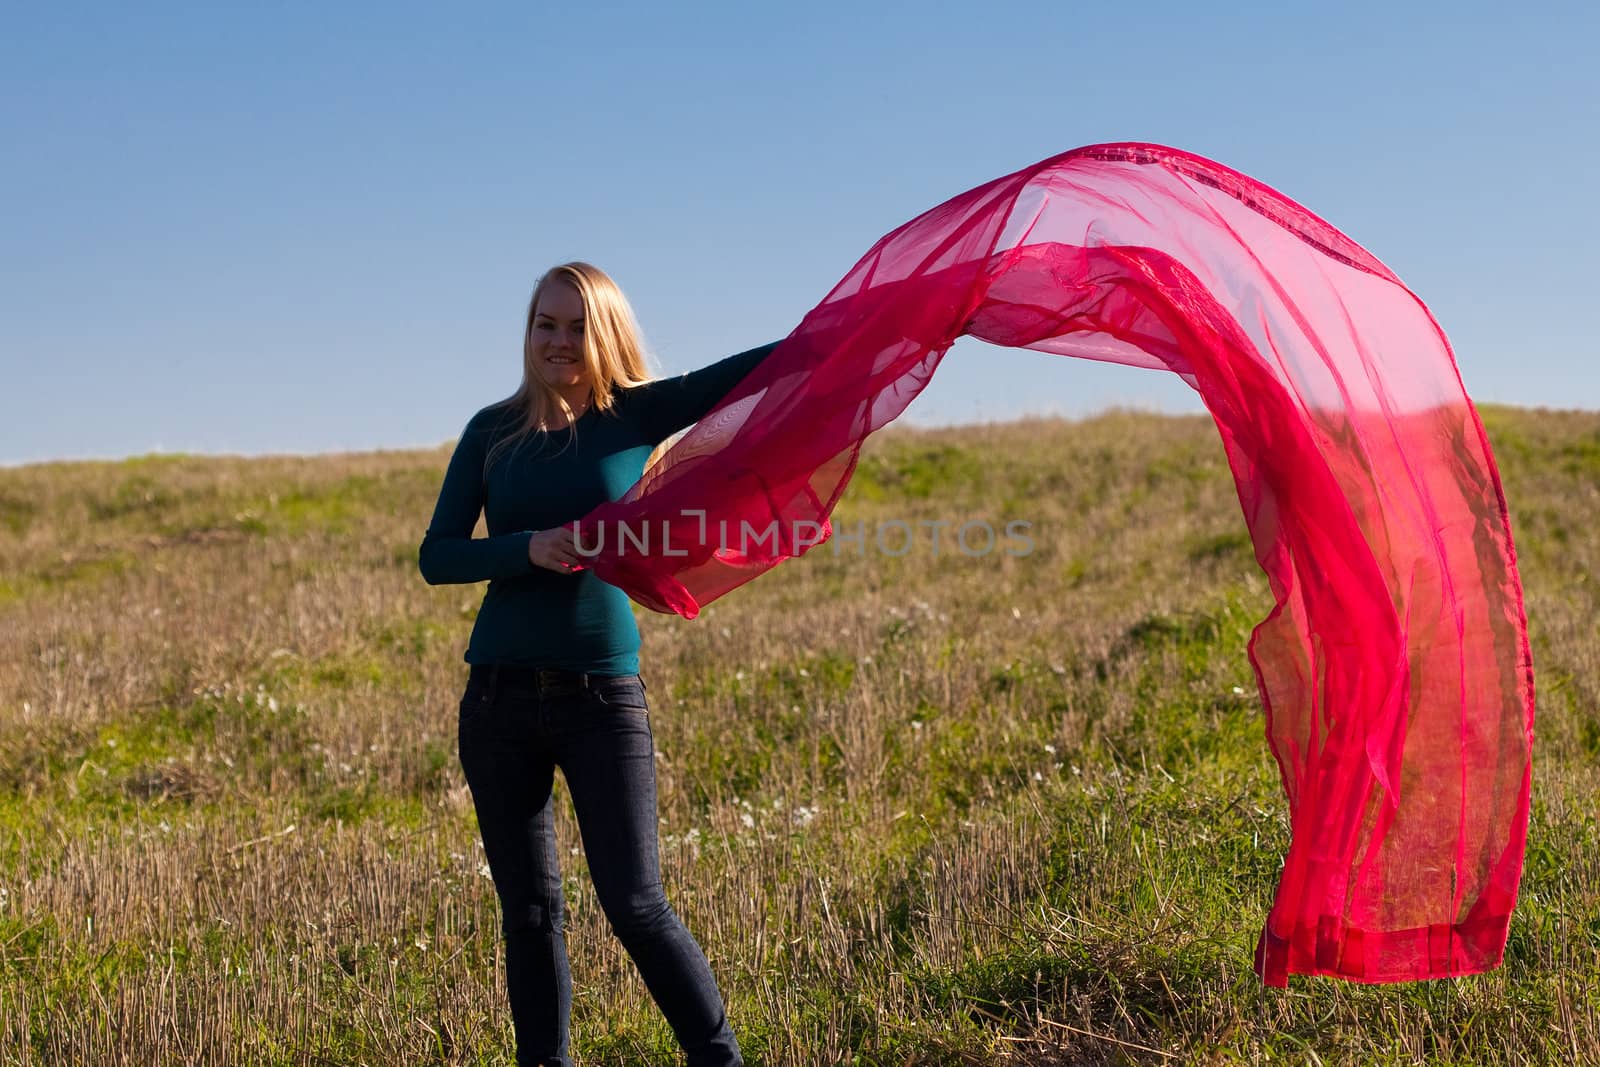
(612, 350)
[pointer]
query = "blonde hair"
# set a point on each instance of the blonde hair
(612, 351)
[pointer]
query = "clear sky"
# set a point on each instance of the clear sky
(299, 227)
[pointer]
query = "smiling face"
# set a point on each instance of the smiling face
(557, 341)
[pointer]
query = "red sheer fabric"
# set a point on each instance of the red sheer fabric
(1394, 668)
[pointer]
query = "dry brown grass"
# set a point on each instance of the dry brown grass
(233, 830)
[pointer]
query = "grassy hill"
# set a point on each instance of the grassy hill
(928, 808)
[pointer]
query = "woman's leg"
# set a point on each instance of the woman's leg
(511, 779)
(608, 759)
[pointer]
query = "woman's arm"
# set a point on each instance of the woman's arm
(449, 553)
(667, 405)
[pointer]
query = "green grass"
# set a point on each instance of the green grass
(968, 810)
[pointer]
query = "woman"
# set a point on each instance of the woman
(554, 677)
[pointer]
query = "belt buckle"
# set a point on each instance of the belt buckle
(556, 682)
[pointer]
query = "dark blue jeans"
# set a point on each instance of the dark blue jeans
(515, 731)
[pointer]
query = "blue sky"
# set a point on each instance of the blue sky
(307, 227)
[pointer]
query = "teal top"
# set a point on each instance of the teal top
(534, 616)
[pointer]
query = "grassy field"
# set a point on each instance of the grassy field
(927, 809)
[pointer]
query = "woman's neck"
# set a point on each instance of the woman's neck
(580, 407)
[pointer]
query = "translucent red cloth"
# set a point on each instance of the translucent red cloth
(1394, 668)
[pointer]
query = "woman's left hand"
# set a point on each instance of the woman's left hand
(556, 549)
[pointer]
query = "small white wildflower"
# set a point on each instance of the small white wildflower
(866, 659)
(745, 817)
(916, 724)
(421, 942)
(483, 870)
(1238, 691)
(1038, 777)
(1050, 749)
(804, 673)
(726, 632)
(1016, 613)
(272, 703)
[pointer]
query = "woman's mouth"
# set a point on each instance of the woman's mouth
(563, 359)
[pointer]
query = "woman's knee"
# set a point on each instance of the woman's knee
(640, 914)
(531, 920)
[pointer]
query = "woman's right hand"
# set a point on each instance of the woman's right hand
(555, 550)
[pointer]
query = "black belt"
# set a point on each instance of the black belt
(551, 681)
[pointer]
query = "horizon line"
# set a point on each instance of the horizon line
(161, 452)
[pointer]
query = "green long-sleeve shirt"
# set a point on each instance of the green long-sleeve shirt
(533, 615)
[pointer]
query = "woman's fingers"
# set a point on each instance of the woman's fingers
(569, 547)
(559, 549)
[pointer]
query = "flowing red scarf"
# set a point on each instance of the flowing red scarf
(1394, 668)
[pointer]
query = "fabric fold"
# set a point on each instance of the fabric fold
(1394, 667)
